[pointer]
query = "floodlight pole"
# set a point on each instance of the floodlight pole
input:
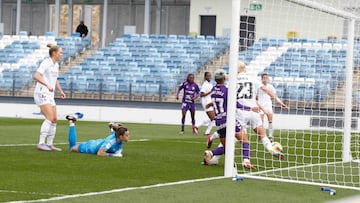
(231, 105)
(346, 152)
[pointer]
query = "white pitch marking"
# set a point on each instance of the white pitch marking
(24, 192)
(120, 190)
(60, 143)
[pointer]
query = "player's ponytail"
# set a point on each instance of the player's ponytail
(52, 48)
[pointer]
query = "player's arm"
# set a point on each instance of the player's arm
(38, 78)
(246, 108)
(178, 90)
(58, 86)
(118, 153)
(273, 96)
(102, 152)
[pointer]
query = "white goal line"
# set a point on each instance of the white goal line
(302, 166)
(120, 190)
(62, 143)
(257, 175)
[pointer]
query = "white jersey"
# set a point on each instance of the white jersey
(247, 88)
(263, 98)
(206, 88)
(49, 71)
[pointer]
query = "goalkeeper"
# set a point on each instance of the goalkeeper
(112, 145)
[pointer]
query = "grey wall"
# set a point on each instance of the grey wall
(34, 18)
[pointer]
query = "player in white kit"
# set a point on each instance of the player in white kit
(265, 101)
(247, 88)
(205, 95)
(46, 82)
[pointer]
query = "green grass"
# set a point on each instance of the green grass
(28, 174)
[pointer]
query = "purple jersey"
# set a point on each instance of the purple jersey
(219, 98)
(191, 92)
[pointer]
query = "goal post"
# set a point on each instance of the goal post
(231, 105)
(346, 153)
(311, 52)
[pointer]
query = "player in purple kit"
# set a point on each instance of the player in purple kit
(191, 91)
(219, 102)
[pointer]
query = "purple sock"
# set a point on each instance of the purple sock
(218, 151)
(246, 150)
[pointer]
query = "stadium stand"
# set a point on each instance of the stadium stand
(144, 64)
(306, 70)
(301, 69)
(21, 54)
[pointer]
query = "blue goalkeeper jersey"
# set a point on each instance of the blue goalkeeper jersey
(110, 144)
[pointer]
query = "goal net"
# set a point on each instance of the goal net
(310, 50)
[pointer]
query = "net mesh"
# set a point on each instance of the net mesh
(302, 46)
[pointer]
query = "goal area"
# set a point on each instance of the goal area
(310, 49)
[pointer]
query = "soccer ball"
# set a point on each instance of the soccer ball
(277, 147)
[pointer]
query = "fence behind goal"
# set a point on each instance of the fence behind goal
(310, 50)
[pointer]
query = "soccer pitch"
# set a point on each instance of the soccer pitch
(159, 165)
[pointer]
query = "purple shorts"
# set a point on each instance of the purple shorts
(188, 106)
(222, 132)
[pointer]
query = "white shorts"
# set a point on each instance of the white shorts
(268, 108)
(250, 118)
(204, 103)
(41, 99)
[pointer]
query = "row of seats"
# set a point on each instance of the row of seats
(146, 62)
(321, 61)
(17, 50)
(114, 84)
(20, 55)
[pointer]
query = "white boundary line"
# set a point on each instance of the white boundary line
(35, 193)
(297, 182)
(255, 176)
(120, 190)
(60, 143)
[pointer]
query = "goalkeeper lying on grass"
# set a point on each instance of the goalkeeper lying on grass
(109, 146)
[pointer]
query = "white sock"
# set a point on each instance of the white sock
(214, 160)
(44, 130)
(270, 129)
(214, 136)
(267, 144)
(210, 126)
(51, 135)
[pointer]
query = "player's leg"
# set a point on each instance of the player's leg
(52, 131)
(260, 130)
(270, 121)
(215, 159)
(217, 151)
(258, 127)
(72, 133)
(242, 137)
(46, 126)
(211, 138)
(192, 113)
(183, 115)
(211, 115)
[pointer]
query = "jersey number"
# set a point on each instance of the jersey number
(219, 105)
(245, 90)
